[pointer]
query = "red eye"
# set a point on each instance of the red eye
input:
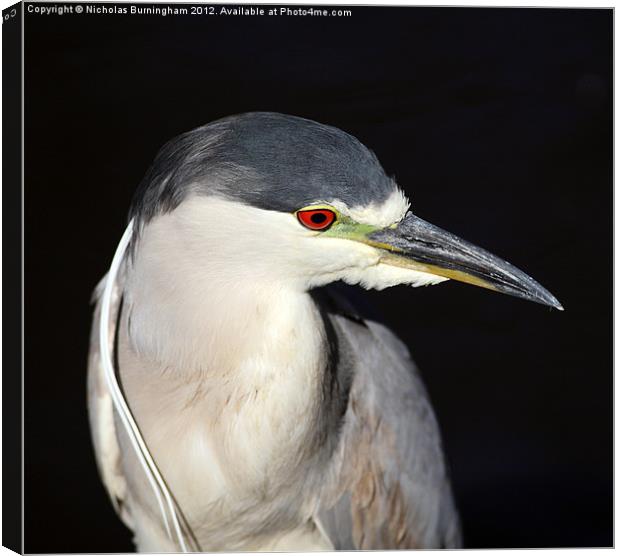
(316, 219)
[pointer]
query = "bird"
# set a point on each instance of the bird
(259, 407)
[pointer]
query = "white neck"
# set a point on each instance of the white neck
(227, 368)
(197, 304)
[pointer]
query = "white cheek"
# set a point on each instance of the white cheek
(332, 259)
(329, 260)
(383, 276)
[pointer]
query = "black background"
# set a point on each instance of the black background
(497, 122)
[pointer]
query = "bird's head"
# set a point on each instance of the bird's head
(271, 197)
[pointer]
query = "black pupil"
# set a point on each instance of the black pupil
(318, 218)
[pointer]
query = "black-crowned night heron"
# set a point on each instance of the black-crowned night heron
(258, 409)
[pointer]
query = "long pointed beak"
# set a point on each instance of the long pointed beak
(421, 246)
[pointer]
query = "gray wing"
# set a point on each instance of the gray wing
(101, 417)
(389, 486)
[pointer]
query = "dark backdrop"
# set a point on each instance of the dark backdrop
(497, 122)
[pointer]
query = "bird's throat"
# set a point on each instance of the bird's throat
(221, 359)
